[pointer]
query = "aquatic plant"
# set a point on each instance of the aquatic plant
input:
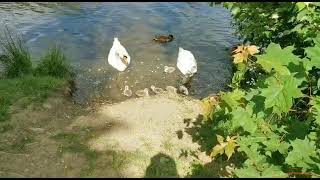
(54, 64)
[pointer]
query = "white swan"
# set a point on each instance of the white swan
(118, 56)
(186, 62)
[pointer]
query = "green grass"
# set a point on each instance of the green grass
(15, 56)
(37, 88)
(51, 73)
(74, 143)
(4, 127)
(54, 64)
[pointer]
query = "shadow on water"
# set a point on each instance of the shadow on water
(161, 166)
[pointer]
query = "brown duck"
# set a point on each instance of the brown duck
(164, 38)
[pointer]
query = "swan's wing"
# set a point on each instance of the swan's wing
(114, 59)
(186, 62)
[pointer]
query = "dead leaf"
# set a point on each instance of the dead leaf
(240, 57)
(227, 147)
(230, 147)
(220, 139)
(218, 149)
(239, 49)
(242, 53)
(252, 50)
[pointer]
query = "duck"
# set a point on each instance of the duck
(183, 90)
(164, 38)
(118, 56)
(127, 92)
(144, 92)
(156, 89)
(169, 69)
(171, 89)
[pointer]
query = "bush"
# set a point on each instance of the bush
(273, 121)
(284, 23)
(54, 64)
(15, 56)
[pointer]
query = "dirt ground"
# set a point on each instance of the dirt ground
(141, 137)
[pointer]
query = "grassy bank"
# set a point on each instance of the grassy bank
(31, 88)
(21, 79)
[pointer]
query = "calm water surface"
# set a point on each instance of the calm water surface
(86, 32)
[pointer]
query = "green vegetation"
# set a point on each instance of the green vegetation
(54, 64)
(35, 88)
(74, 143)
(19, 81)
(15, 56)
(284, 23)
(271, 116)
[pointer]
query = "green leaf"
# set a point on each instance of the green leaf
(273, 144)
(269, 66)
(238, 75)
(300, 5)
(231, 99)
(296, 129)
(273, 172)
(249, 140)
(277, 59)
(315, 109)
(302, 15)
(235, 10)
(314, 54)
(299, 72)
(301, 153)
(248, 172)
(242, 118)
(280, 93)
(251, 93)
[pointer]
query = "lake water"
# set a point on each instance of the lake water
(86, 32)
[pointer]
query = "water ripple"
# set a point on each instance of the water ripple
(86, 31)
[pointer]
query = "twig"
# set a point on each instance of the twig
(296, 111)
(282, 137)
